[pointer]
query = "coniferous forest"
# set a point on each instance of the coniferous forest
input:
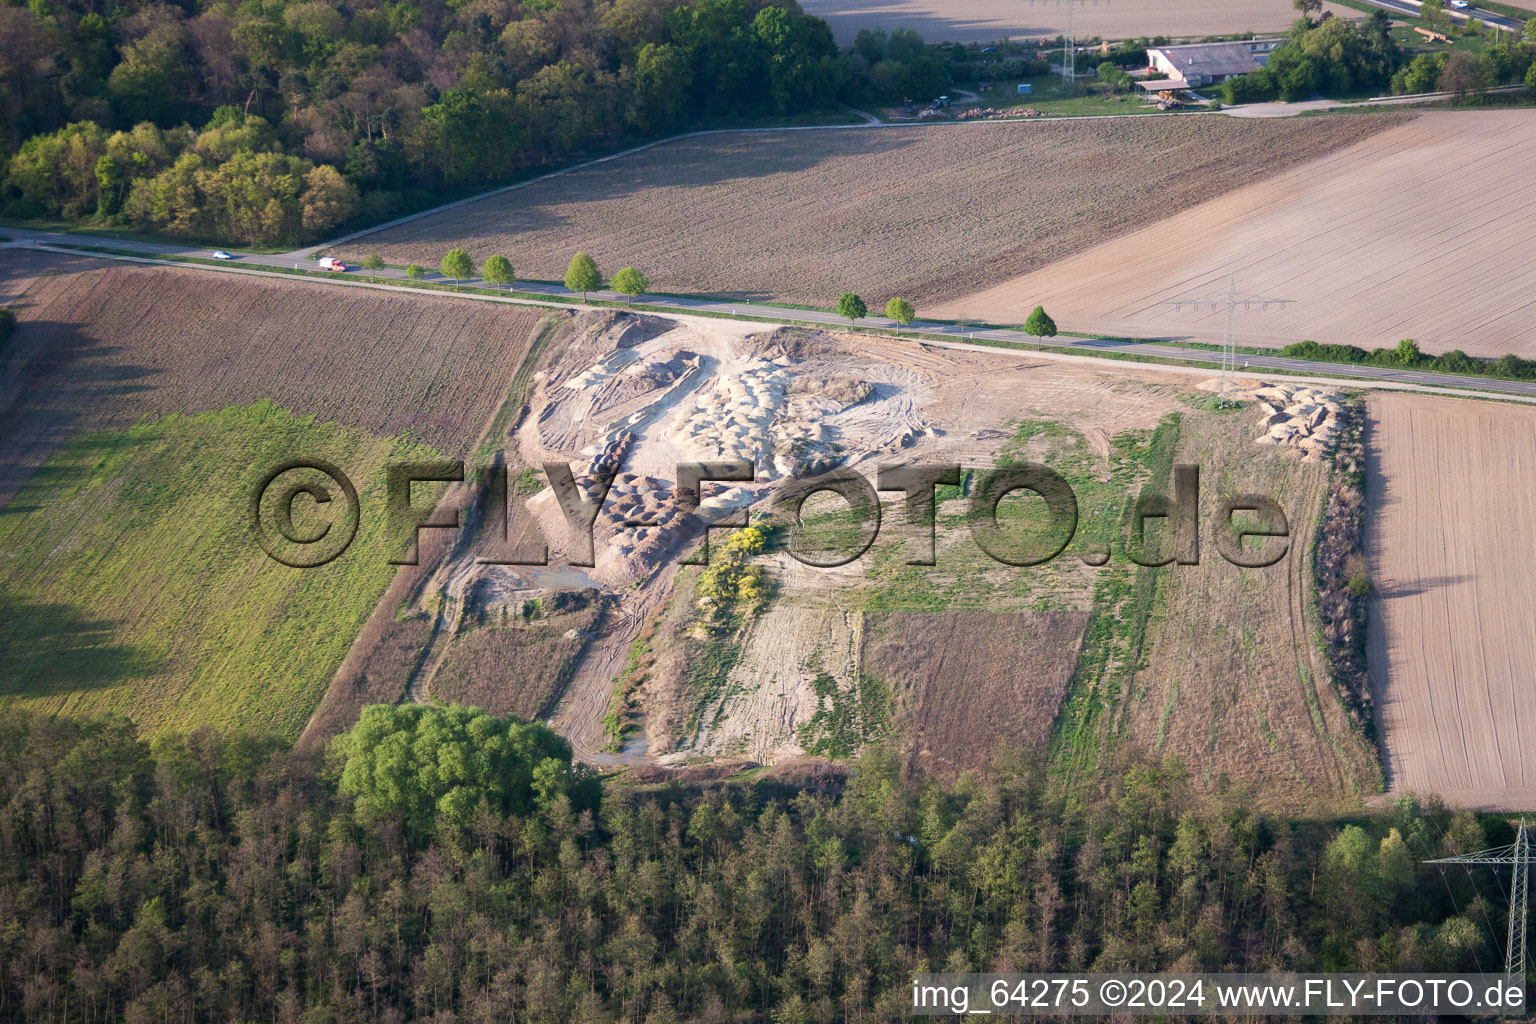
(445, 865)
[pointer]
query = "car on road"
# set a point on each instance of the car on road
(332, 263)
(1460, 4)
(220, 254)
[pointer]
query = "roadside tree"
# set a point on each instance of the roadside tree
(631, 282)
(1040, 325)
(582, 275)
(458, 265)
(901, 311)
(851, 306)
(373, 263)
(497, 271)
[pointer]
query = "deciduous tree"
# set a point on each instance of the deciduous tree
(851, 306)
(582, 275)
(630, 282)
(1040, 325)
(458, 265)
(497, 271)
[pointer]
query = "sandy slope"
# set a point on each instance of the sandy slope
(987, 20)
(1452, 634)
(1415, 232)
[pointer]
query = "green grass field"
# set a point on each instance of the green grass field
(1048, 98)
(131, 579)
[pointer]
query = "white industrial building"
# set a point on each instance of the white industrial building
(1198, 64)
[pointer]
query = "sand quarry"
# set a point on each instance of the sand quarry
(649, 392)
(1452, 628)
(655, 392)
(1414, 232)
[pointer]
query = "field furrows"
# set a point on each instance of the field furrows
(927, 212)
(1453, 624)
(1412, 233)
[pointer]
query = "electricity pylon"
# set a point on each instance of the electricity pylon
(1518, 856)
(1069, 56)
(1229, 301)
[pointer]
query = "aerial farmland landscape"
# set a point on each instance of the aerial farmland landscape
(769, 512)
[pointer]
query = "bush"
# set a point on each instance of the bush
(424, 767)
(1254, 87)
(1406, 355)
(733, 584)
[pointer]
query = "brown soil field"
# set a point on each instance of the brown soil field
(1413, 232)
(101, 344)
(988, 20)
(513, 669)
(930, 213)
(968, 681)
(1450, 635)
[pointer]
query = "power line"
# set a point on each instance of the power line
(1069, 53)
(1518, 856)
(1229, 300)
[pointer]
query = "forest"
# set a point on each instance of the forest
(443, 864)
(275, 121)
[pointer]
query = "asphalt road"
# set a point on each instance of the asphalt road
(684, 304)
(1411, 8)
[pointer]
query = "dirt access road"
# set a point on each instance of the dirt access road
(1452, 633)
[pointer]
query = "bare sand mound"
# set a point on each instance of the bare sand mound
(1452, 632)
(1415, 232)
(986, 20)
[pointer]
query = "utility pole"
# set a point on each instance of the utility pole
(1229, 301)
(1069, 55)
(1518, 856)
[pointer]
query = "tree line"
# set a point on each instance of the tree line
(274, 122)
(151, 110)
(1336, 57)
(1406, 355)
(445, 864)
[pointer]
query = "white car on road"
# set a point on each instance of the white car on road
(220, 254)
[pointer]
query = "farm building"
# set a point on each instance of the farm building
(1197, 64)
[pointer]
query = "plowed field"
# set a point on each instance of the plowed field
(926, 212)
(987, 20)
(1414, 233)
(1452, 631)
